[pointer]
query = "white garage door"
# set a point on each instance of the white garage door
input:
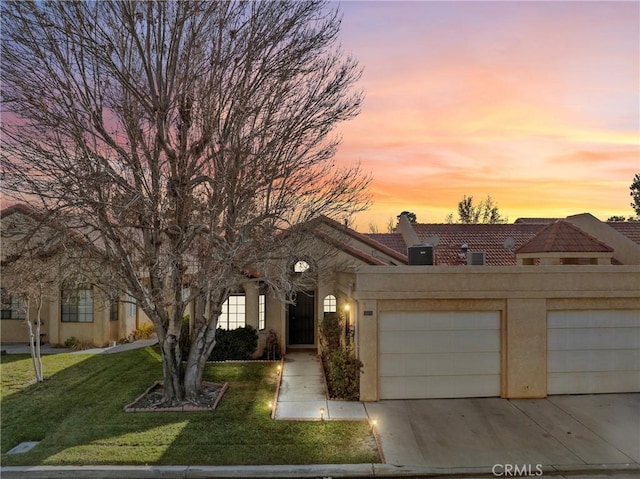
(439, 354)
(593, 352)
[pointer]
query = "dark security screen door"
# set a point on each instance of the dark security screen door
(301, 315)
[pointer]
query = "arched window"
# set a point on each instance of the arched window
(301, 266)
(330, 304)
(76, 301)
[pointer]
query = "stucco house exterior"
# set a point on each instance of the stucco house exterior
(537, 307)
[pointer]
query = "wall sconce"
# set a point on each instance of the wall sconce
(347, 307)
(322, 414)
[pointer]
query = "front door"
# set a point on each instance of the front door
(301, 319)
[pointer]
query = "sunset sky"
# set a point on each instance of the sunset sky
(534, 103)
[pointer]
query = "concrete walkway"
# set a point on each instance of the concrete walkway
(303, 394)
(23, 348)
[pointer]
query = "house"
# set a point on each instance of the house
(518, 311)
(522, 310)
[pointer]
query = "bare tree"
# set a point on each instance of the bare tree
(190, 142)
(31, 263)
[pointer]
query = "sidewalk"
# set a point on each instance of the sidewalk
(23, 348)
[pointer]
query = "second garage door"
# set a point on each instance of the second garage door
(439, 354)
(593, 352)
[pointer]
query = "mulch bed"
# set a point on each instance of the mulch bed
(152, 399)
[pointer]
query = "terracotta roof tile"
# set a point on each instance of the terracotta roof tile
(392, 241)
(630, 229)
(537, 221)
(563, 237)
(487, 238)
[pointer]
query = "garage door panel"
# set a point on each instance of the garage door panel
(593, 338)
(575, 383)
(477, 341)
(594, 319)
(439, 354)
(593, 352)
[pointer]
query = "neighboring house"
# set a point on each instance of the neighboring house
(541, 306)
(72, 306)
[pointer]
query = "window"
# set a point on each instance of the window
(131, 306)
(113, 311)
(330, 304)
(261, 312)
(77, 302)
(12, 307)
(301, 266)
(233, 313)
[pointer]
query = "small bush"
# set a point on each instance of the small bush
(331, 330)
(342, 370)
(272, 347)
(145, 331)
(74, 344)
(235, 344)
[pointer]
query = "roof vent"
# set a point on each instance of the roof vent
(476, 258)
(420, 254)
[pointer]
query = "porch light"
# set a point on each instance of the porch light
(347, 307)
(322, 414)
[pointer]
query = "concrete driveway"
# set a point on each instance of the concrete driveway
(482, 432)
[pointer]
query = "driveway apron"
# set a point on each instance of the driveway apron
(482, 432)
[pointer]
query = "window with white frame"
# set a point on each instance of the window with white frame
(12, 307)
(233, 312)
(262, 312)
(76, 302)
(330, 304)
(131, 306)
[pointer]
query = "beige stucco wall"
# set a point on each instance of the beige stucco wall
(523, 295)
(625, 250)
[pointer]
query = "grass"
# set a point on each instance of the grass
(78, 416)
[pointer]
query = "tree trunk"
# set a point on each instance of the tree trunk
(201, 348)
(34, 344)
(172, 370)
(38, 358)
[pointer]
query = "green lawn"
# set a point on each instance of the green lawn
(78, 416)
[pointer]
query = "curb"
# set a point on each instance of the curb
(285, 471)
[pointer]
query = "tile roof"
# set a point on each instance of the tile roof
(392, 241)
(487, 238)
(543, 221)
(631, 229)
(563, 237)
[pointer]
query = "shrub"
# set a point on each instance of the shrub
(342, 370)
(236, 344)
(331, 330)
(144, 331)
(341, 367)
(272, 346)
(74, 344)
